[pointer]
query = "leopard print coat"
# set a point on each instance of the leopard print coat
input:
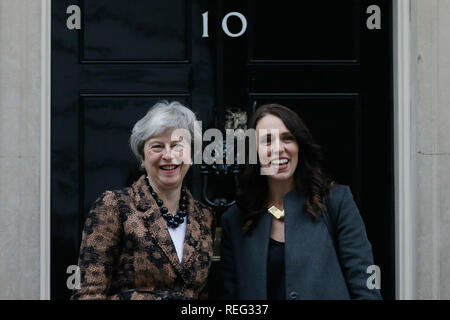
(127, 252)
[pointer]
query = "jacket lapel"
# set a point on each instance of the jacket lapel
(155, 223)
(193, 235)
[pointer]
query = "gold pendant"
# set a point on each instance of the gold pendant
(277, 213)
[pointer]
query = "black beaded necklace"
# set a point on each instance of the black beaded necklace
(173, 220)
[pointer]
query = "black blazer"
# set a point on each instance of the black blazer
(312, 265)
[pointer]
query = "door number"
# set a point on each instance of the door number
(225, 24)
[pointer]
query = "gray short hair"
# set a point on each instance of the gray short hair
(162, 116)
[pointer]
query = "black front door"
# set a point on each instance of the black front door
(317, 57)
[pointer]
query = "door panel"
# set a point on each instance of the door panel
(304, 30)
(107, 122)
(152, 32)
(328, 108)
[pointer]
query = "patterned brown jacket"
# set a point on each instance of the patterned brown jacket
(127, 252)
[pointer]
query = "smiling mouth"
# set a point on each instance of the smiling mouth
(168, 167)
(280, 162)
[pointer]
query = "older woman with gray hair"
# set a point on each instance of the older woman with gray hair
(151, 240)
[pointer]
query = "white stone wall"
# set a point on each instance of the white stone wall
(431, 109)
(20, 60)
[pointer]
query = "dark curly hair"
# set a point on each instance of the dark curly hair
(252, 191)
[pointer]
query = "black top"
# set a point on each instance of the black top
(275, 271)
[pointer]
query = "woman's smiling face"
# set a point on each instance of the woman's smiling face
(165, 160)
(277, 148)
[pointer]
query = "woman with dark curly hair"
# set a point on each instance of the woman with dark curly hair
(293, 234)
